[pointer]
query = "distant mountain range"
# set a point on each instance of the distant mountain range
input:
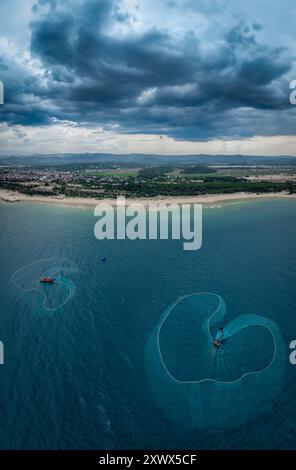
(141, 160)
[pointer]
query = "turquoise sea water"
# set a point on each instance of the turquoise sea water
(75, 377)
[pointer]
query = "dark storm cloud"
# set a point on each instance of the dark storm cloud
(149, 81)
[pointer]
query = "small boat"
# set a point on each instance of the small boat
(103, 259)
(219, 337)
(47, 280)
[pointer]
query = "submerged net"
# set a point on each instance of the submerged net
(55, 295)
(197, 384)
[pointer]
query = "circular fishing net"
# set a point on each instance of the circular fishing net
(205, 373)
(56, 294)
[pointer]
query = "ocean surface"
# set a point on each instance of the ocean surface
(75, 373)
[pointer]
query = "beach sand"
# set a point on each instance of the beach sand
(11, 197)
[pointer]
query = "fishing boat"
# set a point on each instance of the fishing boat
(47, 280)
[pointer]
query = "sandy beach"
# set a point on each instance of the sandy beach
(14, 197)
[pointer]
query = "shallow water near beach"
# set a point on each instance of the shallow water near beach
(75, 376)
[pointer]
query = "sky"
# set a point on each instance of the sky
(148, 76)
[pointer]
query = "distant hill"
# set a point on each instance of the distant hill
(141, 160)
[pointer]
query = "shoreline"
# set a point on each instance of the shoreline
(14, 197)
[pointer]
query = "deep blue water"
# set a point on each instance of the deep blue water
(75, 377)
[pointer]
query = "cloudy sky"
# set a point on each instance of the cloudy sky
(150, 76)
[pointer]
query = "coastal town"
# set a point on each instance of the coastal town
(112, 180)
